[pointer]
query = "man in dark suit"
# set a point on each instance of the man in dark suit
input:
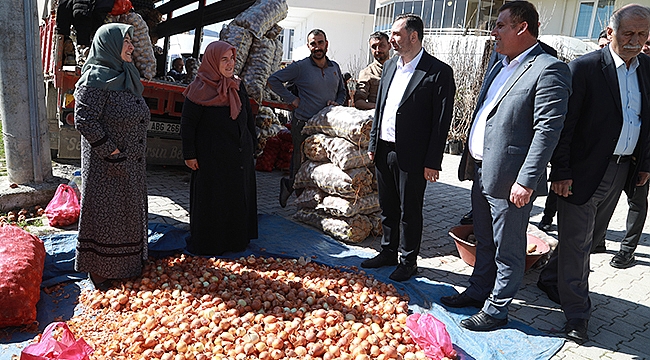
(517, 123)
(606, 126)
(407, 140)
(637, 200)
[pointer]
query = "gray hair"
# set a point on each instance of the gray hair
(629, 11)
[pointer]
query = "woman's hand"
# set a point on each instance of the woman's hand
(192, 164)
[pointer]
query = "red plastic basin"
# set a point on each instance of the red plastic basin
(467, 250)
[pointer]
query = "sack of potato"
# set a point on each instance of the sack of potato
(337, 150)
(338, 206)
(262, 15)
(375, 220)
(342, 121)
(143, 55)
(353, 229)
(330, 178)
(258, 67)
(310, 198)
(241, 39)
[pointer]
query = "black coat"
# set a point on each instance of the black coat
(423, 117)
(594, 122)
(223, 192)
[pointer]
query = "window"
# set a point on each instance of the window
(458, 14)
(426, 14)
(286, 38)
(593, 17)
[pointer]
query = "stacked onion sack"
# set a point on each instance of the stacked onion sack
(274, 142)
(339, 190)
(254, 33)
(199, 308)
(143, 55)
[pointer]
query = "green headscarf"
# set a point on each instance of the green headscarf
(104, 68)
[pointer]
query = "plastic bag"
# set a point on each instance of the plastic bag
(432, 336)
(121, 7)
(68, 348)
(64, 207)
(75, 184)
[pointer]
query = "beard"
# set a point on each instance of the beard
(318, 54)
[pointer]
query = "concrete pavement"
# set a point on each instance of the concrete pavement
(620, 323)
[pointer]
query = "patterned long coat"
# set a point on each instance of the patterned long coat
(112, 239)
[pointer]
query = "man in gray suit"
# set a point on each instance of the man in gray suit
(517, 123)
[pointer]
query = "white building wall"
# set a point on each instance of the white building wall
(347, 25)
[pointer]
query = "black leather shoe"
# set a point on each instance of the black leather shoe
(403, 272)
(383, 259)
(101, 285)
(285, 192)
(622, 260)
(545, 225)
(576, 330)
(482, 322)
(599, 249)
(461, 300)
(468, 218)
(550, 290)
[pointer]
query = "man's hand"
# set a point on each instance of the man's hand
(333, 103)
(371, 155)
(192, 164)
(563, 187)
(431, 174)
(520, 195)
(642, 178)
(295, 103)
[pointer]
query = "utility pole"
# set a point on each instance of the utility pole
(22, 96)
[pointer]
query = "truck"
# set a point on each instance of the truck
(164, 98)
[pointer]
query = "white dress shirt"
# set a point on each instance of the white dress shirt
(477, 133)
(398, 85)
(628, 85)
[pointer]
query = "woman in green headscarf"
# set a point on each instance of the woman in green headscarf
(112, 117)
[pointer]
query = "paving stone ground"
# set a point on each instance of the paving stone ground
(620, 323)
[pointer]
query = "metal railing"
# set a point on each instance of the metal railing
(457, 31)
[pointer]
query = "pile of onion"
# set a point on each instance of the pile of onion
(250, 308)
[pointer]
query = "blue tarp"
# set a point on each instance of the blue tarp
(279, 237)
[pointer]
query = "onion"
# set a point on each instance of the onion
(199, 308)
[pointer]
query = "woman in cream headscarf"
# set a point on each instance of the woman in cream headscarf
(112, 117)
(218, 131)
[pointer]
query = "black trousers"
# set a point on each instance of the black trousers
(550, 206)
(401, 196)
(568, 267)
(637, 200)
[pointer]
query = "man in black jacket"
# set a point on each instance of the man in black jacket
(607, 124)
(412, 117)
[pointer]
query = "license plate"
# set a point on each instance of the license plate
(163, 127)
